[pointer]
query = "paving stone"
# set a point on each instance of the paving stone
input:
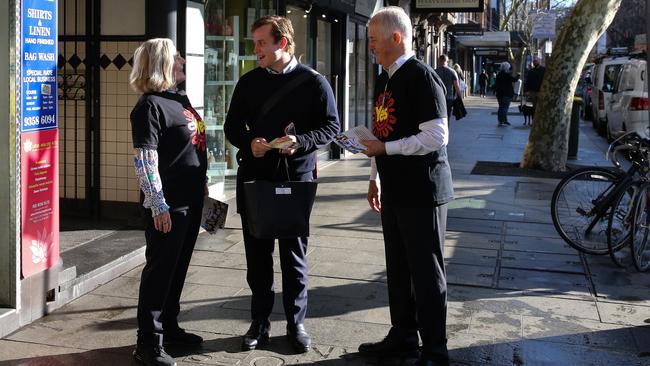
(497, 325)
(471, 256)
(121, 287)
(619, 313)
(543, 281)
(34, 354)
(102, 307)
(461, 274)
(537, 244)
(357, 271)
(522, 303)
(472, 240)
(585, 333)
(531, 229)
(66, 330)
(542, 261)
(535, 352)
(467, 347)
(474, 225)
(369, 290)
(349, 256)
(348, 243)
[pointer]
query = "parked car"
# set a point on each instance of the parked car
(604, 76)
(628, 105)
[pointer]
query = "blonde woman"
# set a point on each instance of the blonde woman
(170, 162)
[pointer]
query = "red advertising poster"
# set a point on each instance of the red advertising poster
(39, 194)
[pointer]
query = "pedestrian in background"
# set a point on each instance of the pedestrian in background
(410, 156)
(504, 91)
(483, 82)
(492, 82)
(533, 82)
(305, 117)
(450, 80)
(461, 79)
(170, 163)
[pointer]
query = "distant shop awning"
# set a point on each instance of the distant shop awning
(488, 39)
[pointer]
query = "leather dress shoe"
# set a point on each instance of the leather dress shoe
(257, 335)
(179, 337)
(299, 338)
(392, 346)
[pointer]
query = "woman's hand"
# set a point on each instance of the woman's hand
(163, 222)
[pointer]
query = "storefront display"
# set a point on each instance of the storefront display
(228, 54)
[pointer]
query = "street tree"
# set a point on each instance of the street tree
(548, 140)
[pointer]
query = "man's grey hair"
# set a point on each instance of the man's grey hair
(394, 19)
(505, 66)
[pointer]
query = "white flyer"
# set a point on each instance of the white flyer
(350, 139)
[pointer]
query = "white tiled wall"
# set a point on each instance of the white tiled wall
(118, 181)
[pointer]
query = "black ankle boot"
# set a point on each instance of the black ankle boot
(257, 335)
(150, 352)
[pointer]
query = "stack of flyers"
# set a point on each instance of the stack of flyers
(351, 139)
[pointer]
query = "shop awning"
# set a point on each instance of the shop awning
(488, 39)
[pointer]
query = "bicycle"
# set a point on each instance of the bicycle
(590, 207)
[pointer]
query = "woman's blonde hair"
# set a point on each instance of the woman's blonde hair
(153, 66)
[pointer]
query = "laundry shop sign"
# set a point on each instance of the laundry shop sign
(39, 153)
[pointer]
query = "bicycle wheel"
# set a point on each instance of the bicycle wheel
(579, 214)
(640, 230)
(619, 227)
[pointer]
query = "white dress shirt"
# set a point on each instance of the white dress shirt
(433, 134)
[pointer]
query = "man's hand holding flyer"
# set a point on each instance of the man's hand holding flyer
(350, 140)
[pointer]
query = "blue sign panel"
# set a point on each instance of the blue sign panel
(38, 58)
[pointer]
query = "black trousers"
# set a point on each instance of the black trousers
(168, 257)
(417, 286)
(259, 274)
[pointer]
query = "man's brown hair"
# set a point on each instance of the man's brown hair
(280, 27)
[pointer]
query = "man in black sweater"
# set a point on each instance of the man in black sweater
(301, 119)
(410, 122)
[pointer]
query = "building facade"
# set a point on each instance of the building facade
(92, 173)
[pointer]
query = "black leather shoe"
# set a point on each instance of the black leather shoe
(152, 353)
(179, 337)
(257, 335)
(392, 346)
(299, 338)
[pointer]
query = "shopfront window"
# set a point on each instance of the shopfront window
(300, 21)
(228, 55)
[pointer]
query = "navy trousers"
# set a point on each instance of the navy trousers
(417, 286)
(259, 274)
(168, 257)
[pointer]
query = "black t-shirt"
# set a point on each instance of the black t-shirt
(167, 123)
(414, 94)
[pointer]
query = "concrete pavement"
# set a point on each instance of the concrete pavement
(518, 295)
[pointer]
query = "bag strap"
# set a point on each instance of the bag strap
(286, 168)
(282, 92)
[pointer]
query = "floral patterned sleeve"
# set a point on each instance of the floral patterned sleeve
(146, 169)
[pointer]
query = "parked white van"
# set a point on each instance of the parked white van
(604, 76)
(628, 105)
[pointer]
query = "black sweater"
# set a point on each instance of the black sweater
(310, 106)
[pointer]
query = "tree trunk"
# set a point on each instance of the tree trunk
(548, 140)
